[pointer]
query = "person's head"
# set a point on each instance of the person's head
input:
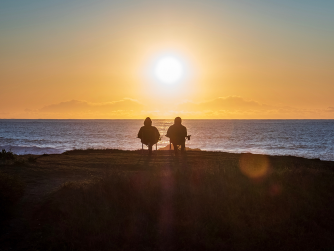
(147, 121)
(177, 121)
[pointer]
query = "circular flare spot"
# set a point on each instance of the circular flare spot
(254, 166)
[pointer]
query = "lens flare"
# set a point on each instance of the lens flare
(254, 166)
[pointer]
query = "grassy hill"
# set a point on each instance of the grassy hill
(126, 200)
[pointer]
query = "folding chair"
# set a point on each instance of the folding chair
(156, 146)
(170, 143)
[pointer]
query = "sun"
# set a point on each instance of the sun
(169, 70)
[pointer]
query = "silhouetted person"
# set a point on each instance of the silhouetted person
(177, 134)
(149, 134)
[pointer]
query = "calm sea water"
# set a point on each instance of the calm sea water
(305, 138)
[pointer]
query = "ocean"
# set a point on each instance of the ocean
(304, 138)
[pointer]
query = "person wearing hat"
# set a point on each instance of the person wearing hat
(149, 134)
(177, 134)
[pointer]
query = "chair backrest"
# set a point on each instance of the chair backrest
(149, 135)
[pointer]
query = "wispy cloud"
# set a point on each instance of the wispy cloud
(330, 109)
(231, 107)
(238, 107)
(82, 109)
(231, 103)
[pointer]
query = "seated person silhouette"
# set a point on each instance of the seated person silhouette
(177, 134)
(149, 134)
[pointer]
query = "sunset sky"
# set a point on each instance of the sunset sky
(97, 59)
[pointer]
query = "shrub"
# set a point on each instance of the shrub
(6, 155)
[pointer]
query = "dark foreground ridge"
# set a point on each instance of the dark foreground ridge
(125, 200)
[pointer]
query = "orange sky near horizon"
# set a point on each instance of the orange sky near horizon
(94, 59)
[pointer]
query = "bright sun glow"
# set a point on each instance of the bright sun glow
(169, 70)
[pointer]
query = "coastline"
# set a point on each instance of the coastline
(36, 151)
(306, 138)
